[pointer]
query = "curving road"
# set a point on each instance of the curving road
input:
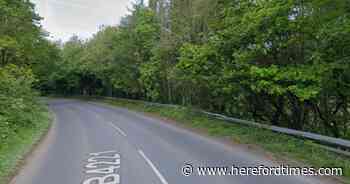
(93, 143)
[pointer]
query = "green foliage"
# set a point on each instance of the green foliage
(275, 51)
(19, 31)
(282, 62)
(277, 145)
(110, 62)
(24, 52)
(302, 81)
(150, 75)
(17, 100)
(196, 60)
(14, 149)
(196, 72)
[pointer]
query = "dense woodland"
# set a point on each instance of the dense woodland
(281, 62)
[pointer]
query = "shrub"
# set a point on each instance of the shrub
(17, 100)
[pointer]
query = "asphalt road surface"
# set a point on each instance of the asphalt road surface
(93, 143)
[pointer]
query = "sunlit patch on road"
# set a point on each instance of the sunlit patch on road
(102, 168)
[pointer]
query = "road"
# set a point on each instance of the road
(93, 143)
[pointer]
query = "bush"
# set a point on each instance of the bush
(18, 107)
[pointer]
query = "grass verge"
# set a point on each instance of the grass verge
(280, 146)
(19, 144)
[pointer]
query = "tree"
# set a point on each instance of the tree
(19, 31)
(282, 62)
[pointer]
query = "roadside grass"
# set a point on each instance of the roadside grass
(19, 144)
(297, 151)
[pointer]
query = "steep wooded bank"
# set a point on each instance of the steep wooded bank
(280, 62)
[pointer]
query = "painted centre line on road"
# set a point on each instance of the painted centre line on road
(149, 162)
(118, 129)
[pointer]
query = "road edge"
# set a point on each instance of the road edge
(255, 148)
(24, 159)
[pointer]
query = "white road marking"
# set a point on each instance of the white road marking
(118, 129)
(96, 158)
(95, 165)
(104, 179)
(102, 165)
(160, 176)
(100, 153)
(105, 170)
